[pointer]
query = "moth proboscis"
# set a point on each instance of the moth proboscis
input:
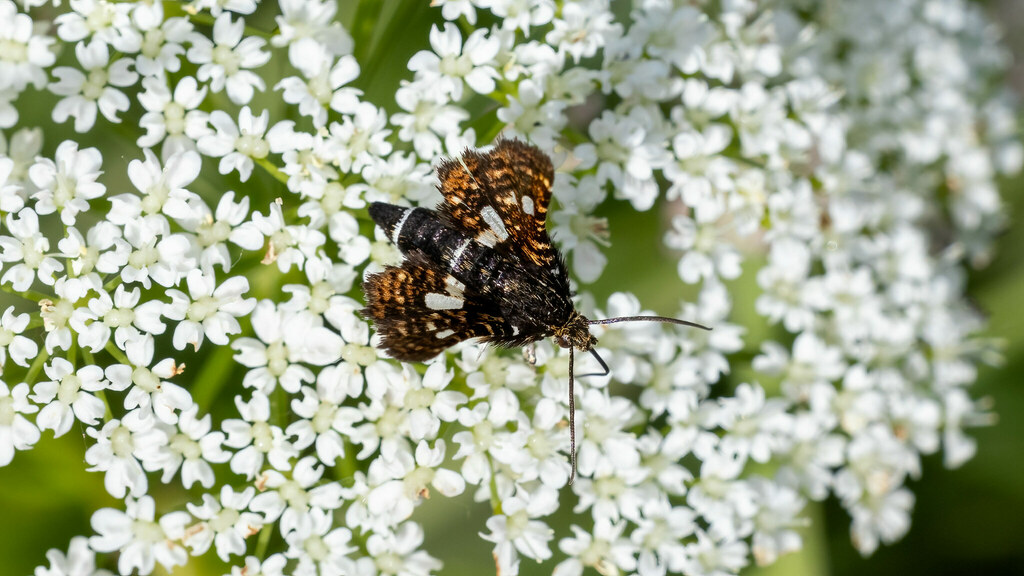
(482, 266)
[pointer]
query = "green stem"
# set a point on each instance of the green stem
(113, 283)
(347, 467)
(117, 354)
(28, 294)
(272, 170)
(214, 373)
(36, 366)
(395, 27)
(264, 541)
(495, 500)
(362, 26)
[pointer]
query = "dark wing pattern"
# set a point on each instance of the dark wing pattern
(420, 309)
(501, 198)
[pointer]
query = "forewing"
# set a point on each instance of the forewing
(420, 310)
(501, 198)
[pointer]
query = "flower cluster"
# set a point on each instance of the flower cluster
(841, 158)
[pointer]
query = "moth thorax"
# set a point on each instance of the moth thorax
(575, 333)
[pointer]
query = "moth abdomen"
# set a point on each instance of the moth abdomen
(418, 229)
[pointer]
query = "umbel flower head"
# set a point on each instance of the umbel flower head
(184, 232)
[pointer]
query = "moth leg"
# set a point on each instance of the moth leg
(530, 354)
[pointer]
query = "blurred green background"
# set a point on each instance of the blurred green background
(966, 521)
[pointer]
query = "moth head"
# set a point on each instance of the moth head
(575, 334)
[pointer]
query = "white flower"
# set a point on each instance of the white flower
(67, 183)
(581, 234)
(27, 250)
(236, 146)
(286, 339)
(26, 52)
(21, 149)
(102, 21)
(517, 530)
(254, 438)
(98, 249)
(881, 518)
(606, 550)
(399, 551)
(400, 176)
(162, 41)
(149, 252)
(142, 540)
(13, 344)
(324, 84)
(787, 294)
(429, 403)
(12, 197)
(521, 15)
(173, 119)
(16, 431)
(121, 450)
(813, 362)
(68, 396)
(148, 388)
(224, 522)
(57, 313)
(402, 479)
(451, 62)
(84, 93)
(227, 60)
(582, 28)
(775, 525)
(194, 448)
(319, 549)
(156, 184)
(290, 499)
(358, 139)
(273, 565)
(426, 119)
(209, 309)
(710, 556)
(79, 561)
(287, 245)
(217, 7)
(626, 151)
(325, 422)
(754, 426)
(660, 537)
(123, 314)
(536, 450)
(311, 19)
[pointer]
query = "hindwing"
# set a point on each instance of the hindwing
(420, 309)
(501, 198)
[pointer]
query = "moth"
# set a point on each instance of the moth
(482, 265)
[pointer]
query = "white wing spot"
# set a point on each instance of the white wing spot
(487, 238)
(398, 227)
(515, 330)
(444, 334)
(431, 327)
(437, 301)
(458, 252)
(490, 215)
(528, 205)
(453, 286)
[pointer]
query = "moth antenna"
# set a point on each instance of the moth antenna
(572, 423)
(618, 319)
(600, 361)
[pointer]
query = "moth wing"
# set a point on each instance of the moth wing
(420, 310)
(501, 198)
